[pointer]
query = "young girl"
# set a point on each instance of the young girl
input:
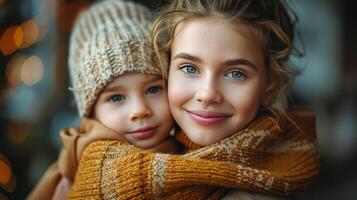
(227, 89)
(119, 91)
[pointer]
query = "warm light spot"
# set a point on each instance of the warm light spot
(30, 32)
(32, 70)
(12, 71)
(7, 178)
(1, 2)
(5, 173)
(7, 44)
(18, 36)
(18, 132)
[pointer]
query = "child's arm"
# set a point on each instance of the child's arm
(46, 186)
(62, 189)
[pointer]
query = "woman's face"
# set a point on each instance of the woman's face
(217, 78)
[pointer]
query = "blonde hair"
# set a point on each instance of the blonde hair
(272, 20)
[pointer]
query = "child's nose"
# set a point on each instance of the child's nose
(140, 110)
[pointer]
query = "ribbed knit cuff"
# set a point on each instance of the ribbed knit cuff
(97, 175)
(183, 172)
(88, 177)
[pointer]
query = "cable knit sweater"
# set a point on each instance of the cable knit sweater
(74, 140)
(268, 156)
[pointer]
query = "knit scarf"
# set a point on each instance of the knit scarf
(272, 157)
(268, 156)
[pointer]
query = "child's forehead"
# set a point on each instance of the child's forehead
(129, 79)
(139, 75)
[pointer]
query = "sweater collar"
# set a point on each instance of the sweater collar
(265, 121)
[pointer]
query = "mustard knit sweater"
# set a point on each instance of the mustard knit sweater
(267, 157)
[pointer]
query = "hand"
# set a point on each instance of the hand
(94, 131)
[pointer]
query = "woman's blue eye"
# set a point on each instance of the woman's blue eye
(189, 69)
(153, 90)
(236, 75)
(117, 98)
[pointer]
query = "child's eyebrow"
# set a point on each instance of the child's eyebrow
(112, 89)
(153, 78)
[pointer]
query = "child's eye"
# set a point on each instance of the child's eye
(236, 75)
(153, 90)
(189, 69)
(116, 98)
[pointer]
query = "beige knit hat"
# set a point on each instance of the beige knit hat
(110, 38)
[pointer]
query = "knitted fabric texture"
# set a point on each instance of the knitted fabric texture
(110, 38)
(266, 157)
(74, 140)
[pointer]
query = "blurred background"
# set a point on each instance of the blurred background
(35, 102)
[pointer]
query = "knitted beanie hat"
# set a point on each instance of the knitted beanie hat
(110, 38)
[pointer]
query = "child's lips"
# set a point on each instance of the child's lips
(208, 117)
(144, 133)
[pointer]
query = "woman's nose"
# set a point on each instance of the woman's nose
(208, 92)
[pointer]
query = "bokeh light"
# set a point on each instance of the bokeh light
(18, 36)
(31, 32)
(7, 178)
(12, 71)
(18, 132)
(1, 2)
(5, 172)
(22, 36)
(32, 70)
(7, 43)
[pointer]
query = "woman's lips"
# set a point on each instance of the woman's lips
(144, 133)
(208, 117)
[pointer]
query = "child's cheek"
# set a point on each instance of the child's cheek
(115, 119)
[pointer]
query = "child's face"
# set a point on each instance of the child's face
(135, 105)
(217, 79)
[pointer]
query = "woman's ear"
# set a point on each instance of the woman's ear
(268, 95)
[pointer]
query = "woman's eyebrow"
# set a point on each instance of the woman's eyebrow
(240, 61)
(187, 57)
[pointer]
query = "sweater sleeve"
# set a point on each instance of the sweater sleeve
(153, 175)
(97, 173)
(111, 171)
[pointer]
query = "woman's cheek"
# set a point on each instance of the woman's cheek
(178, 89)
